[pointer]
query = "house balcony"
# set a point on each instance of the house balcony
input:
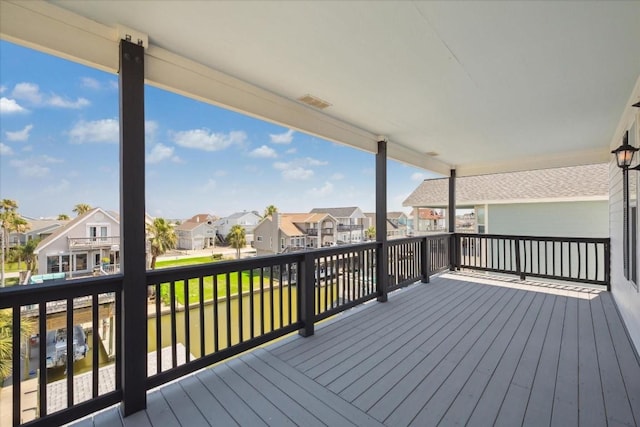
(93, 242)
(451, 346)
(349, 227)
(326, 231)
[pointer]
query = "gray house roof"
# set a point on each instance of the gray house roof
(337, 212)
(589, 182)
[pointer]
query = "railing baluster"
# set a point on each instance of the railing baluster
(240, 308)
(174, 332)
(157, 288)
(42, 353)
(70, 353)
(201, 313)
(216, 323)
(251, 304)
(15, 356)
(272, 314)
(228, 300)
(95, 307)
(187, 323)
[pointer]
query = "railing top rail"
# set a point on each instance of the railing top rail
(30, 294)
(223, 267)
(540, 238)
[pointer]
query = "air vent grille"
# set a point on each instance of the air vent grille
(314, 101)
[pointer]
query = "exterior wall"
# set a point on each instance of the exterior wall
(562, 219)
(248, 221)
(625, 294)
(267, 236)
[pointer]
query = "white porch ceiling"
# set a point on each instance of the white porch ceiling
(488, 86)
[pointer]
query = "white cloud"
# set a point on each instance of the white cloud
(106, 130)
(5, 150)
(221, 173)
(203, 139)
(336, 176)
(31, 168)
(58, 101)
(282, 138)
(28, 91)
(314, 162)
(90, 83)
(418, 176)
(325, 190)
(161, 152)
(291, 150)
(27, 148)
(263, 152)
(8, 106)
(2, 88)
(297, 173)
(19, 135)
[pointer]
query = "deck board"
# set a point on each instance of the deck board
(461, 350)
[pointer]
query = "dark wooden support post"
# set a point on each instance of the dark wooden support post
(424, 262)
(132, 229)
(382, 256)
(451, 211)
(307, 287)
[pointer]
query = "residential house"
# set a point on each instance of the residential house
(568, 202)
(36, 229)
(89, 243)
(246, 219)
(351, 223)
(288, 232)
(198, 232)
(397, 224)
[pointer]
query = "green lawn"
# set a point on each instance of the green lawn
(208, 288)
(165, 263)
(13, 266)
(193, 284)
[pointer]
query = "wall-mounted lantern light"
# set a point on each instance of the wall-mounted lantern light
(624, 153)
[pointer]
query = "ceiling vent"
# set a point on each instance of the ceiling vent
(314, 101)
(431, 153)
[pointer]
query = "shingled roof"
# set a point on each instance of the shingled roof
(589, 182)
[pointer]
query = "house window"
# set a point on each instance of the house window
(259, 238)
(58, 263)
(98, 233)
(80, 262)
(282, 243)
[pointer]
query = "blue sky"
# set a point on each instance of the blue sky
(59, 147)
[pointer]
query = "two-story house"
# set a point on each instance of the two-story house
(88, 243)
(246, 219)
(198, 232)
(351, 221)
(286, 232)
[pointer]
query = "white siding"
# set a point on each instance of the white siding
(570, 219)
(625, 294)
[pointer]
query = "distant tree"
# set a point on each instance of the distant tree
(81, 208)
(237, 239)
(162, 237)
(370, 233)
(63, 217)
(27, 326)
(28, 254)
(10, 221)
(269, 210)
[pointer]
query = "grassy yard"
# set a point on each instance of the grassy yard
(166, 263)
(234, 280)
(13, 266)
(208, 287)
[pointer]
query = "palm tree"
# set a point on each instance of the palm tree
(63, 217)
(269, 210)
(370, 233)
(81, 208)
(237, 239)
(10, 221)
(162, 238)
(27, 326)
(27, 252)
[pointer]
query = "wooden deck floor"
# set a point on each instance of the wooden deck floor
(458, 351)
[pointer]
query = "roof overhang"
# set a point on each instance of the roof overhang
(482, 87)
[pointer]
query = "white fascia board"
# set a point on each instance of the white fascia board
(557, 160)
(420, 160)
(45, 27)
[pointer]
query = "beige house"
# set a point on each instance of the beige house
(567, 202)
(351, 223)
(286, 232)
(397, 224)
